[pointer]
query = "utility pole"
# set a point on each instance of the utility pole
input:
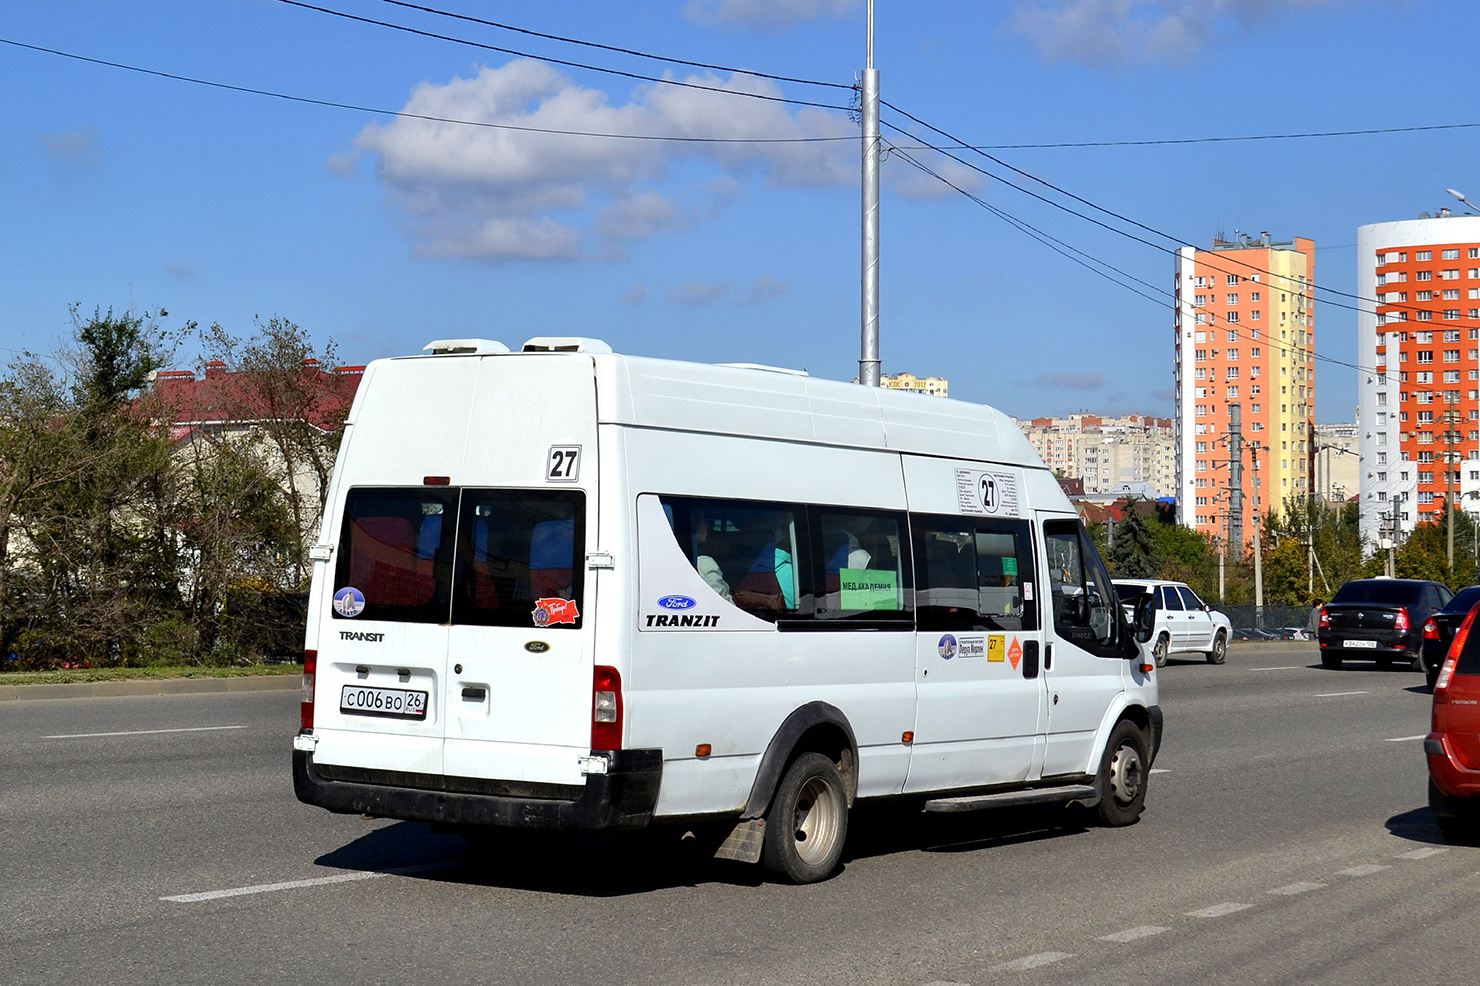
(1449, 418)
(868, 360)
(1258, 556)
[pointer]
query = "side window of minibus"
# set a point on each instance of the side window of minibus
(863, 571)
(1080, 590)
(972, 576)
(745, 551)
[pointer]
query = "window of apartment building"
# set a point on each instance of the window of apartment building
(1422, 337)
(1256, 408)
(1382, 477)
(1201, 373)
(1254, 391)
(1451, 355)
(1473, 293)
(1231, 317)
(1451, 335)
(1202, 282)
(1202, 446)
(1202, 465)
(1381, 418)
(1381, 494)
(1202, 318)
(1382, 399)
(1424, 255)
(1200, 337)
(1200, 355)
(1452, 254)
(1423, 275)
(1425, 417)
(1422, 458)
(1200, 300)
(1232, 373)
(1232, 280)
(1473, 253)
(1381, 438)
(1398, 276)
(1425, 497)
(1451, 314)
(1233, 354)
(1426, 355)
(1426, 438)
(1425, 477)
(1233, 299)
(1451, 294)
(1426, 396)
(1424, 296)
(1233, 335)
(1202, 392)
(1451, 376)
(1258, 426)
(1474, 272)
(1449, 274)
(1254, 295)
(1202, 429)
(1254, 315)
(1451, 397)
(1254, 371)
(1382, 458)
(1425, 316)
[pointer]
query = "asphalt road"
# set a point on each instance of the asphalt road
(1286, 840)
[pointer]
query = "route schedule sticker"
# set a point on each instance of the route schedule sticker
(994, 494)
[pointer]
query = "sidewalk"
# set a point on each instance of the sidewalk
(150, 686)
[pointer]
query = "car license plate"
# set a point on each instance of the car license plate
(1362, 643)
(397, 703)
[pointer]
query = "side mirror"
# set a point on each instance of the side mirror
(1144, 624)
(1207, 607)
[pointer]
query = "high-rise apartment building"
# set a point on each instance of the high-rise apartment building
(1420, 356)
(1245, 336)
(1106, 452)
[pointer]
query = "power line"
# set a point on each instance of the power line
(404, 114)
(560, 61)
(1165, 141)
(614, 48)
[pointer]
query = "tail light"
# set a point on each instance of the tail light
(1430, 630)
(1441, 684)
(1400, 622)
(606, 709)
(1325, 619)
(310, 665)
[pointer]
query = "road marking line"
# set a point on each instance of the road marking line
(264, 888)
(1366, 869)
(1296, 888)
(1032, 961)
(1282, 667)
(1407, 739)
(1421, 853)
(1337, 694)
(1161, 770)
(945, 982)
(1131, 934)
(1218, 910)
(143, 732)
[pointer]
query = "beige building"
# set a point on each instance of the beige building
(930, 386)
(1107, 452)
(1338, 465)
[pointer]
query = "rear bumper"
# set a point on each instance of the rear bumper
(1452, 778)
(622, 798)
(1388, 644)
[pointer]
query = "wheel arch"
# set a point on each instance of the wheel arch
(816, 727)
(1125, 710)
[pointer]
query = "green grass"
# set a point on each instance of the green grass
(118, 674)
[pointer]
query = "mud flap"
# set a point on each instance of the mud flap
(744, 842)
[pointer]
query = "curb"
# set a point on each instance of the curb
(150, 686)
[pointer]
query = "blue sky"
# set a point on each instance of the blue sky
(136, 192)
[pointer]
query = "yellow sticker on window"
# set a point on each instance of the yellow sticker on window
(996, 647)
(868, 589)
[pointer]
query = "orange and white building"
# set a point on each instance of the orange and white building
(1419, 348)
(1245, 335)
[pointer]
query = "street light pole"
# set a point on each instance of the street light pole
(868, 360)
(1450, 417)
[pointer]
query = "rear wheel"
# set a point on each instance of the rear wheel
(1458, 818)
(1123, 776)
(807, 822)
(1431, 675)
(1331, 659)
(1219, 653)
(1162, 649)
(1384, 663)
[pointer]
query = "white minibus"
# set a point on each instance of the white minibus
(568, 589)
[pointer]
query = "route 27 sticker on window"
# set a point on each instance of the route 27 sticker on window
(563, 464)
(991, 493)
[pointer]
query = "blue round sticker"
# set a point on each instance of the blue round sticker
(349, 601)
(947, 647)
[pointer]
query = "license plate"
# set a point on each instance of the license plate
(397, 703)
(1361, 643)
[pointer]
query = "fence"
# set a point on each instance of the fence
(1274, 623)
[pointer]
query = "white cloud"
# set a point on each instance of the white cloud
(764, 14)
(500, 194)
(763, 288)
(1071, 381)
(1108, 32)
(694, 294)
(635, 294)
(78, 148)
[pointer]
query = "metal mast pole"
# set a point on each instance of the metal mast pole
(1254, 450)
(1235, 477)
(1449, 417)
(868, 361)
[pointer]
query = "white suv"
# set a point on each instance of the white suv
(1184, 623)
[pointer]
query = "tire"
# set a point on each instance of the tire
(1162, 649)
(807, 822)
(1384, 664)
(1459, 820)
(1219, 653)
(1331, 659)
(1123, 776)
(1431, 675)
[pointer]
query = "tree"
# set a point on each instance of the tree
(1132, 550)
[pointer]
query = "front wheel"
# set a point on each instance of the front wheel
(1162, 649)
(1123, 776)
(1219, 653)
(807, 821)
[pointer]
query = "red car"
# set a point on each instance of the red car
(1453, 748)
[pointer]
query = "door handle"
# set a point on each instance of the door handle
(1030, 658)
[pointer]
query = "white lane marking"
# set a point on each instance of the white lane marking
(1282, 667)
(265, 888)
(945, 982)
(1366, 869)
(1337, 694)
(1032, 961)
(1296, 888)
(1218, 910)
(1407, 739)
(143, 732)
(1131, 934)
(1421, 853)
(1161, 770)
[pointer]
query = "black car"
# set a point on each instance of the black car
(1438, 630)
(1379, 619)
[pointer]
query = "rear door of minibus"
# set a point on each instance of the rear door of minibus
(519, 692)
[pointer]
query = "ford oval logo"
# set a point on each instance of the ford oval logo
(677, 602)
